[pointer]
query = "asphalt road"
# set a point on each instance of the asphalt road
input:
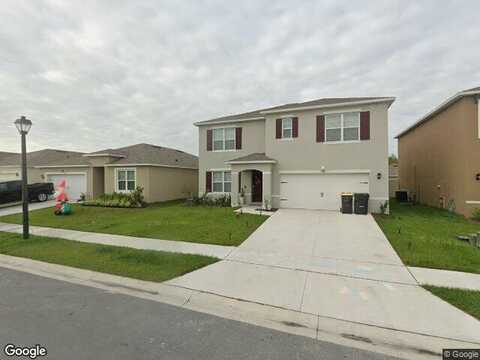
(78, 322)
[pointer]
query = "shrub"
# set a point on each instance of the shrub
(211, 200)
(476, 214)
(134, 199)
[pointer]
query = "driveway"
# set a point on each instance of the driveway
(333, 265)
(17, 209)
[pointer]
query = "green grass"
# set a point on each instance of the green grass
(466, 300)
(167, 221)
(426, 237)
(139, 264)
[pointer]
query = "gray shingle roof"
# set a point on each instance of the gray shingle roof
(5, 155)
(253, 157)
(153, 154)
(47, 157)
(318, 102)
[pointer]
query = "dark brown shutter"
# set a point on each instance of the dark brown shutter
(209, 140)
(208, 182)
(365, 125)
(279, 128)
(320, 128)
(295, 127)
(238, 138)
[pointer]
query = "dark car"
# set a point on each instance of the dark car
(11, 191)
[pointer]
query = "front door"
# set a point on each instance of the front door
(257, 186)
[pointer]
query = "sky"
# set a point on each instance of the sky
(102, 74)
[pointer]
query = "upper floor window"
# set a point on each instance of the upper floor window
(342, 127)
(222, 181)
(224, 139)
(287, 128)
(126, 180)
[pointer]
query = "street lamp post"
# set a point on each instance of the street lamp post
(23, 126)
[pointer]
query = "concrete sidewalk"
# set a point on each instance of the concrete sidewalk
(182, 247)
(446, 278)
(17, 208)
(405, 345)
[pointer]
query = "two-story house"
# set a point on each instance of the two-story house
(439, 155)
(300, 155)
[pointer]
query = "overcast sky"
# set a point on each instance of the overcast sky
(99, 74)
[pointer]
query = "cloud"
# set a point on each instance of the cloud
(104, 74)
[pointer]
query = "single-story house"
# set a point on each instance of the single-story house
(164, 173)
(439, 155)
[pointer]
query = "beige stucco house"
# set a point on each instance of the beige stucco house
(164, 173)
(439, 155)
(301, 155)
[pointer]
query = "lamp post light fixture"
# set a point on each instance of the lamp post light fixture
(23, 126)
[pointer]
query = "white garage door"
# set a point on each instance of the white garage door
(76, 184)
(319, 191)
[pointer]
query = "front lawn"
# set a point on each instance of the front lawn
(466, 300)
(139, 264)
(426, 237)
(166, 221)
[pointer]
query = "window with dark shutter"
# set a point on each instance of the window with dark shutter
(320, 128)
(295, 127)
(208, 182)
(209, 140)
(238, 138)
(278, 129)
(365, 125)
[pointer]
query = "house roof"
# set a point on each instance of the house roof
(147, 154)
(255, 157)
(5, 154)
(46, 157)
(440, 108)
(313, 104)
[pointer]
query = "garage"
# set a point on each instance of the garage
(319, 191)
(76, 183)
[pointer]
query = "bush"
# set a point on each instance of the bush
(206, 199)
(134, 199)
(476, 214)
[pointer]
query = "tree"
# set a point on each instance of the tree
(392, 159)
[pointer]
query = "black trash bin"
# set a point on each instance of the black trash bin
(401, 196)
(347, 203)
(361, 203)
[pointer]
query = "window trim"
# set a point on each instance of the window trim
(223, 181)
(284, 128)
(342, 128)
(224, 139)
(126, 191)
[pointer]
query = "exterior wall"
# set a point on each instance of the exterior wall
(439, 159)
(305, 154)
(34, 175)
(159, 183)
(98, 181)
(253, 141)
(392, 186)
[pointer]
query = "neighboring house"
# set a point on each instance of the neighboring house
(164, 173)
(439, 155)
(301, 155)
(393, 179)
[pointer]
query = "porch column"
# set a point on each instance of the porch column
(234, 190)
(267, 189)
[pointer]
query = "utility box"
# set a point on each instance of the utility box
(361, 203)
(347, 203)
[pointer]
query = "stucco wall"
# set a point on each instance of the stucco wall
(253, 141)
(159, 183)
(439, 159)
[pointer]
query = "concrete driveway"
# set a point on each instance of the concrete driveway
(336, 266)
(17, 209)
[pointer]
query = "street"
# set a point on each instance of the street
(77, 322)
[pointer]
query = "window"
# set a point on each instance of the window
(224, 139)
(222, 181)
(287, 128)
(342, 127)
(126, 180)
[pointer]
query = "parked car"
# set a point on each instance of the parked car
(11, 191)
